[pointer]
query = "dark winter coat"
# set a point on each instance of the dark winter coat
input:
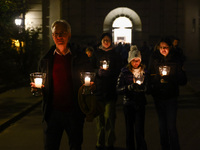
(170, 87)
(134, 95)
(46, 66)
(105, 80)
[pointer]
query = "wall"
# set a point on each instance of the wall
(158, 17)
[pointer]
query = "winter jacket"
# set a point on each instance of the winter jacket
(46, 66)
(105, 80)
(164, 87)
(132, 93)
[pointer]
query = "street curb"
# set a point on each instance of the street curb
(18, 116)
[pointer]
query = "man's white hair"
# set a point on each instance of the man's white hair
(68, 27)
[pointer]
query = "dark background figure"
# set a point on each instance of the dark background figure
(89, 51)
(61, 111)
(178, 49)
(164, 87)
(134, 100)
(145, 52)
(105, 81)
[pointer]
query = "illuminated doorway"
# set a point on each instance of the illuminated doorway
(122, 30)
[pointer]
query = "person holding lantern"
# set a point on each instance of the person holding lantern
(165, 77)
(107, 64)
(61, 112)
(131, 83)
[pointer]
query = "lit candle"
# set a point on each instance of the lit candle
(38, 82)
(87, 81)
(104, 66)
(138, 82)
(164, 72)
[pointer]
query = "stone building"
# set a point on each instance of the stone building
(129, 21)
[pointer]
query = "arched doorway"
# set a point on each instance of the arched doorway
(125, 13)
(122, 30)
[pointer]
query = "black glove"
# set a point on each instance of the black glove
(136, 87)
(164, 79)
(103, 73)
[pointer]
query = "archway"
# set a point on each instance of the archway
(122, 30)
(122, 12)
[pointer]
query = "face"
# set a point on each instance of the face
(60, 35)
(175, 43)
(89, 53)
(106, 42)
(135, 63)
(164, 48)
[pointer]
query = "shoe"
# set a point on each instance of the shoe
(99, 148)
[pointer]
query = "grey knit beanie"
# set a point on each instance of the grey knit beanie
(134, 53)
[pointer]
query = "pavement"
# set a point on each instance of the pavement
(18, 102)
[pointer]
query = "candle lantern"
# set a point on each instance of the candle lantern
(164, 70)
(87, 78)
(138, 79)
(38, 78)
(104, 64)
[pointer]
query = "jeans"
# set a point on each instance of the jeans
(134, 119)
(71, 123)
(106, 125)
(167, 114)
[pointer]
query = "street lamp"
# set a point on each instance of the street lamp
(18, 21)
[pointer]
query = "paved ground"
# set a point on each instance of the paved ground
(26, 133)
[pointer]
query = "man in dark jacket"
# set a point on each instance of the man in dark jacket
(60, 106)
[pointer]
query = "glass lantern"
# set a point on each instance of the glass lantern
(38, 78)
(104, 64)
(138, 79)
(164, 70)
(87, 79)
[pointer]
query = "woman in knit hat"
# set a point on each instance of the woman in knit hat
(107, 63)
(131, 83)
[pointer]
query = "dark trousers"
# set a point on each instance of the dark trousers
(134, 119)
(167, 114)
(59, 122)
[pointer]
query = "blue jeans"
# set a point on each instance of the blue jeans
(167, 114)
(59, 122)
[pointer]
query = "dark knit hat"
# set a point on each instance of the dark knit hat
(106, 34)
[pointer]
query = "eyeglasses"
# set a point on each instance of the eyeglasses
(61, 34)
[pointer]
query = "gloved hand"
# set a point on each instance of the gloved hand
(132, 86)
(136, 87)
(103, 73)
(164, 79)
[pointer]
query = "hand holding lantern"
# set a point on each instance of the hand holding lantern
(87, 79)
(37, 82)
(139, 79)
(104, 64)
(164, 71)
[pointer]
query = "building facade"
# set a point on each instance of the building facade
(149, 20)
